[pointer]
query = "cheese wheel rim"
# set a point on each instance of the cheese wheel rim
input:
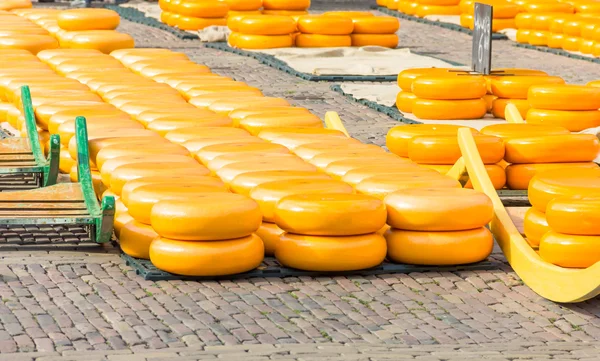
(375, 25)
(449, 109)
(449, 87)
(573, 120)
(518, 176)
(546, 186)
(567, 148)
(267, 25)
(570, 251)
(564, 97)
(577, 215)
(323, 41)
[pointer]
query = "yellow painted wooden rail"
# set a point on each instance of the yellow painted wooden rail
(333, 121)
(512, 115)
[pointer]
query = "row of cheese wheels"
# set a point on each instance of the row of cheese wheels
(7, 5)
(107, 154)
(503, 15)
(35, 30)
(422, 8)
(514, 153)
(563, 220)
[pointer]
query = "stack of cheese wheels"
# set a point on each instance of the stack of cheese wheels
(194, 15)
(563, 216)
(21, 33)
(370, 30)
(15, 4)
(438, 226)
(321, 31)
(574, 107)
(261, 31)
(330, 232)
(405, 98)
(449, 96)
(423, 8)
(513, 89)
(293, 8)
(503, 15)
(209, 234)
(540, 23)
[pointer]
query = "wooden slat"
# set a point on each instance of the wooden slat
(43, 213)
(15, 146)
(42, 206)
(59, 193)
(16, 157)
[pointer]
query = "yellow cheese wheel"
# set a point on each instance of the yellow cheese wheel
(538, 37)
(206, 217)
(570, 251)
(267, 25)
(293, 141)
(242, 113)
(571, 43)
(222, 160)
(31, 43)
(218, 88)
(330, 214)
(426, 10)
(587, 7)
(269, 193)
(449, 109)
(586, 46)
(548, 185)
(383, 40)
(164, 126)
(181, 136)
(558, 21)
(177, 177)
(135, 239)
(217, 258)
(449, 87)
(229, 172)
(274, 133)
(548, 7)
(339, 168)
(499, 107)
(516, 87)
(381, 185)
(495, 172)
(564, 97)
(66, 130)
(110, 165)
(254, 124)
(65, 163)
(95, 116)
(88, 19)
(552, 149)
(196, 23)
(357, 175)
(323, 160)
(576, 215)
(542, 21)
(439, 248)
(269, 233)
(126, 149)
(522, 36)
(286, 4)
(200, 9)
(194, 145)
(322, 41)
(208, 153)
(404, 101)
(143, 198)
(350, 14)
(225, 106)
(121, 219)
(398, 137)
(243, 5)
(104, 138)
(441, 209)
(511, 130)
(322, 253)
(375, 24)
(245, 182)
(246, 41)
(205, 100)
(535, 226)
(104, 40)
(574, 121)
(444, 149)
(406, 77)
(519, 175)
(308, 151)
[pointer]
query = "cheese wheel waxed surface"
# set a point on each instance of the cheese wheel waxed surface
(357, 175)
(330, 214)
(516, 87)
(173, 178)
(444, 209)
(570, 251)
(519, 175)
(135, 239)
(564, 97)
(546, 186)
(229, 172)
(439, 248)
(449, 87)
(216, 258)
(435, 109)
(574, 120)
(568, 148)
(579, 215)
(444, 149)
(208, 153)
(511, 130)
(322, 253)
(245, 182)
(121, 219)
(398, 137)
(110, 165)
(535, 226)
(325, 25)
(381, 185)
(270, 234)
(407, 76)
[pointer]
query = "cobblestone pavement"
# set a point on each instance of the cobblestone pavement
(65, 303)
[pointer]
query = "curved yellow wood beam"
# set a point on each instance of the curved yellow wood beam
(459, 172)
(512, 115)
(333, 121)
(558, 284)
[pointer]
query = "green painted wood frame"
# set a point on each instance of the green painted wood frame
(47, 166)
(103, 214)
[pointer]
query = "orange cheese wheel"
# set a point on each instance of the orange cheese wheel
(124, 149)
(511, 130)
(269, 193)
(65, 163)
(127, 172)
(339, 168)
(135, 239)
(195, 23)
(229, 172)
(286, 4)
(104, 40)
(222, 160)
(449, 109)
(98, 115)
(439, 248)
(574, 215)
(243, 5)
(564, 97)
(570, 251)
(542, 21)
(181, 136)
(225, 106)
(121, 219)
(88, 19)
(552, 149)
(206, 217)
(535, 226)
(558, 21)
(375, 25)
(254, 124)
(406, 77)
(586, 46)
(350, 14)
(322, 41)
(210, 152)
(444, 149)
(398, 137)
(519, 175)
(194, 145)
(101, 139)
(245, 182)
(516, 87)
(217, 258)
(538, 37)
(571, 43)
(245, 41)
(548, 7)
(143, 198)
(31, 43)
(293, 141)
(217, 88)
(323, 160)
(267, 25)
(546, 186)
(200, 9)
(522, 36)
(166, 125)
(426, 10)
(177, 177)
(495, 172)
(269, 233)
(383, 40)
(449, 87)
(381, 185)
(330, 214)
(242, 113)
(148, 116)
(310, 150)
(438, 209)
(66, 130)
(574, 121)
(322, 253)
(357, 175)
(110, 165)
(404, 101)
(499, 107)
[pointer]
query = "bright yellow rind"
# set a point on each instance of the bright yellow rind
(512, 114)
(333, 121)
